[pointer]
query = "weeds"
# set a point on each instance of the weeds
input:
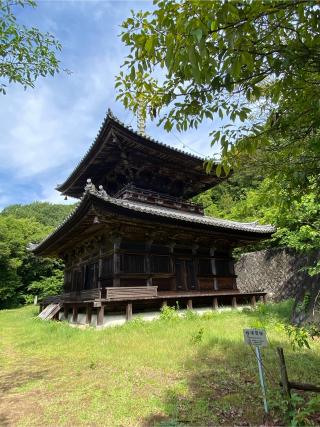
(191, 315)
(197, 336)
(168, 313)
(298, 336)
(298, 410)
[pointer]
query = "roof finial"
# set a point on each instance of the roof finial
(141, 116)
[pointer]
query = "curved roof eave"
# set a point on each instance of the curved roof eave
(98, 142)
(127, 207)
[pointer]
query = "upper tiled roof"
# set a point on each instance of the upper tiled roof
(111, 121)
(148, 138)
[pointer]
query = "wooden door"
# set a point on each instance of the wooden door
(190, 275)
(185, 275)
(180, 275)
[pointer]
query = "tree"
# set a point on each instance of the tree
(46, 286)
(25, 53)
(15, 234)
(270, 198)
(253, 63)
(23, 275)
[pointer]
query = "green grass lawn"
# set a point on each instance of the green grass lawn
(193, 371)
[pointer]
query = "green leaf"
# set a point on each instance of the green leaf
(197, 34)
(149, 44)
(132, 73)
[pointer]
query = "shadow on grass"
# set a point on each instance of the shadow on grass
(219, 385)
(19, 378)
(9, 385)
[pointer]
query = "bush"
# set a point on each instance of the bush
(46, 286)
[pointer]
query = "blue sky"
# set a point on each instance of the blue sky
(45, 131)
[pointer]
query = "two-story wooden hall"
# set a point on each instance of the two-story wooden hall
(135, 241)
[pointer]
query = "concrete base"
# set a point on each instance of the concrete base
(114, 319)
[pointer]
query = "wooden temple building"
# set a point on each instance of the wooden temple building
(135, 241)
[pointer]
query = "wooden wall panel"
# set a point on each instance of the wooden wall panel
(164, 284)
(226, 283)
(206, 284)
(133, 282)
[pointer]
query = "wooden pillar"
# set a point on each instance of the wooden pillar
(88, 314)
(215, 303)
(234, 302)
(173, 284)
(231, 268)
(264, 299)
(100, 315)
(65, 312)
(148, 245)
(261, 299)
(99, 269)
(214, 268)
(189, 304)
(253, 301)
(116, 261)
(195, 260)
(74, 313)
(129, 311)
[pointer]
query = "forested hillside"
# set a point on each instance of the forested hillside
(23, 275)
(45, 213)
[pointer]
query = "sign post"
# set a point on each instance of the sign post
(258, 338)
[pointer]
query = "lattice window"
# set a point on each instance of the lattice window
(91, 273)
(160, 264)
(77, 279)
(204, 266)
(68, 280)
(223, 268)
(132, 263)
(107, 266)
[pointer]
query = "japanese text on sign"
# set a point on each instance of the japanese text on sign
(255, 337)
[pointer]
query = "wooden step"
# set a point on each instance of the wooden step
(49, 311)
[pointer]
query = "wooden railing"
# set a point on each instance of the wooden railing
(131, 293)
(84, 295)
(110, 294)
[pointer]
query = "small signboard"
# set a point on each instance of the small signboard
(255, 337)
(258, 338)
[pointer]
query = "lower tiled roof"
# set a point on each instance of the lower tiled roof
(161, 212)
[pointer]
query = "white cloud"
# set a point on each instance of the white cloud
(40, 135)
(45, 131)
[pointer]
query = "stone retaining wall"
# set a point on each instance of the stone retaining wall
(280, 272)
